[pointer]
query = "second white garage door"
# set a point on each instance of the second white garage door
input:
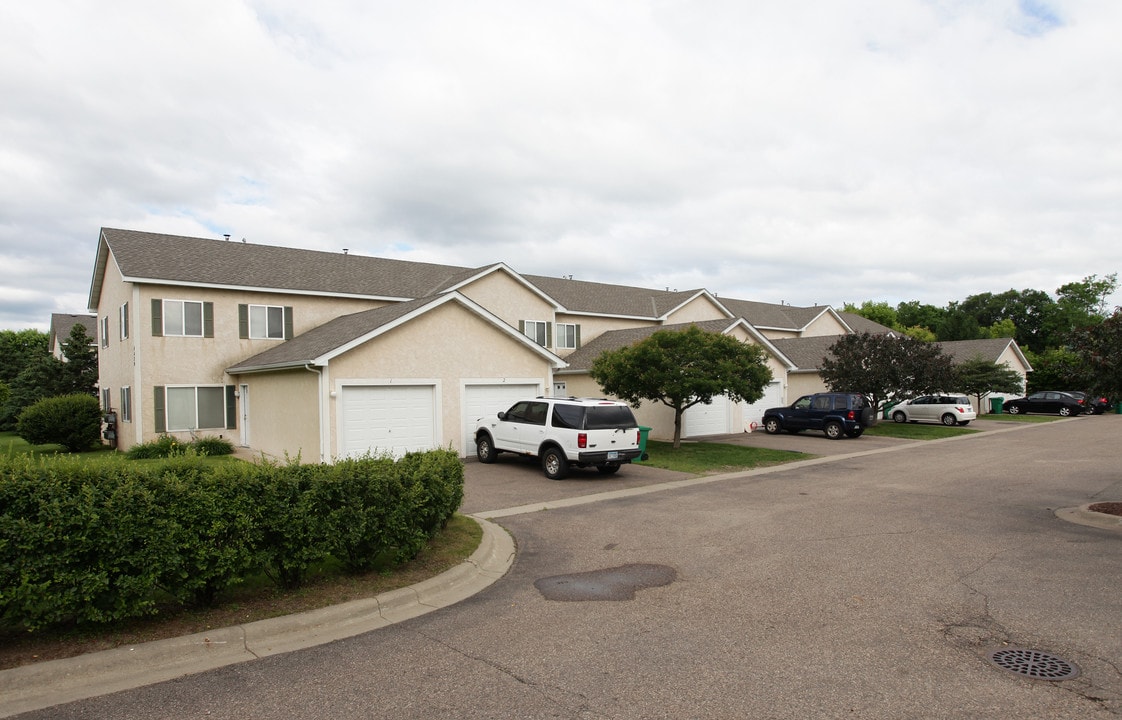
(710, 419)
(486, 399)
(378, 419)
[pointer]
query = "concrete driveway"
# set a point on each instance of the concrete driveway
(867, 584)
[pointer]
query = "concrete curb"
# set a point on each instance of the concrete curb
(41, 685)
(1085, 516)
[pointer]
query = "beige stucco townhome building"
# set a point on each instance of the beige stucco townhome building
(321, 355)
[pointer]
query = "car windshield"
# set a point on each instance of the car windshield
(606, 417)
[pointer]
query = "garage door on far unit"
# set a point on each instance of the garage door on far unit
(484, 400)
(754, 412)
(711, 419)
(387, 418)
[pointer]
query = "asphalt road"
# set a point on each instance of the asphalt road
(867, 585)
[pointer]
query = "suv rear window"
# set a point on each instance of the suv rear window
(607, 417)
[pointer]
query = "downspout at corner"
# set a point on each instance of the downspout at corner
(324, 397)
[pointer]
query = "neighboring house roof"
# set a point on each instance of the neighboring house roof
(63, 323)
(860, 324)
(806, 353)
(581, 359)
(335, 337)
(770, 316)
(581, 296)
(988, 349)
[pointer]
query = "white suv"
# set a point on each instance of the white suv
(563, 432)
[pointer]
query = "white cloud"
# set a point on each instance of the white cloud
(818, 152)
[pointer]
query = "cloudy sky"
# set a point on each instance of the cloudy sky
(825, 151)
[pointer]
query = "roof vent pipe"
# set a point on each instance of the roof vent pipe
(227, 236)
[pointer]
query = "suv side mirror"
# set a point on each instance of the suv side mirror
(502, 414)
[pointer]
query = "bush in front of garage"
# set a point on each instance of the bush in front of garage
(84, 543)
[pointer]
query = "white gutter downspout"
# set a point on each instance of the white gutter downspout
(324, 435)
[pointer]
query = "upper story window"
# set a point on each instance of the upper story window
(125, 321)
(105, 331)
(265, 322)
(182, 318)
(568, 336)
(536, 330)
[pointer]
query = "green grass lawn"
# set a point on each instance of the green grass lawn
(916, 431)
(12, 444)
(702, 457)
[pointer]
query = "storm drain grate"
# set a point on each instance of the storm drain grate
(1033, 663)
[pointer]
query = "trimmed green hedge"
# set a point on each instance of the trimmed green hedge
(100, 542)
(73, 421)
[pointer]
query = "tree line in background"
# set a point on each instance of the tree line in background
(30, 373)
(1071, 340)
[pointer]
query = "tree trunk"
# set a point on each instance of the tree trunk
(677, 428)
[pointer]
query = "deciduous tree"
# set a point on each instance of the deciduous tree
(682, 368)
(1100, 347)
(980, 377)
(882, 366)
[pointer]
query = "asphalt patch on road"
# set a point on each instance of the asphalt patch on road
(611, 584)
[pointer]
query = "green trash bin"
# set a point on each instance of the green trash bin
(644, 431)
(996, 405)
(1118, 408)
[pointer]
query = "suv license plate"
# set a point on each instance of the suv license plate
(613, 455)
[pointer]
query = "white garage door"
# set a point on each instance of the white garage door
(711, 419)
(754, 412)
(387, 418)
(484, 400)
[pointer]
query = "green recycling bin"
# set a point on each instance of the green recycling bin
(644, 431)
(996, 405)
(1118, 409)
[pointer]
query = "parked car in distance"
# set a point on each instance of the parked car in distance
(1049, 402)
(950, 410)
(562, 432)
(1092, 404)
(836, 414)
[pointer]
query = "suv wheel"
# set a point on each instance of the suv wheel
(772, 426)
(899, 416)
(1013, 409)
(554, 464)
(485, 449)
(834, 430)
(855, 432)
(949, 420)
(1065, 411)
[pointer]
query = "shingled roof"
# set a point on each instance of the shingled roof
(774, 317)
(988, 349)
(217, 263)
(807, 353)
(582, 296)
(340, 334)
(581, 360)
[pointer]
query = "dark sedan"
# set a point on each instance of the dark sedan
(1092, 404)
(1048, 402)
